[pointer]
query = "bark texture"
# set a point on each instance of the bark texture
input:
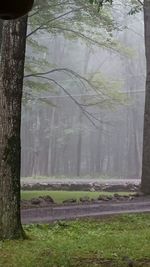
(145, 183)
(1, 29)
(11, 84)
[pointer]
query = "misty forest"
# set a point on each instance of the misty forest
(75, 133)
(83, 114)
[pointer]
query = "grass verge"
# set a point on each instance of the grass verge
(118, 242)
(60, 196)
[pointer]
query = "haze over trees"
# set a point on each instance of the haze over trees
(11, 81)
(76, 148)
(83, 98)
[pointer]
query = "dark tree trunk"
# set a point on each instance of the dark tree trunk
(1, 29)
(145, 184)
(11, 84)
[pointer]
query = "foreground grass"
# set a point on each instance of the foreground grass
(60, 196)
(82, 243)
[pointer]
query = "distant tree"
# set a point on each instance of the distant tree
(145, 179)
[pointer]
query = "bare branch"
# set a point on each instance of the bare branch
(67, 71)
(87, 115)
(96, 103)
(33, 14)
(141, 3)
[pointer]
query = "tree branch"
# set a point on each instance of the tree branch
(42, 7)
(77, 33)
(140, 2)
(51, 20)
(87, 115)
(81, 78)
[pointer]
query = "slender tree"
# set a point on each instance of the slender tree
(11, 84)
(1, 28)
(145, 184)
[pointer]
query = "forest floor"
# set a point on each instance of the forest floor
(121, 241)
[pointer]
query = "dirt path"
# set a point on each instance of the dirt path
(67, 212)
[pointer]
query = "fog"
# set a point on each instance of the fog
(71, 129)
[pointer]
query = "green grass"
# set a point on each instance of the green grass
(82, 243)
(60, 196)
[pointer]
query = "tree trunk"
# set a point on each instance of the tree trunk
(1, 29)
(11, 84)
(145, 183)
(79, 145)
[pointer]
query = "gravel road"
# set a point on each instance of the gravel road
(67, 212)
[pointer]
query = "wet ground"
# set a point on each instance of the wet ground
(46, 211)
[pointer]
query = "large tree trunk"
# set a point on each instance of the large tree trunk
(11, 84)
(145, 184)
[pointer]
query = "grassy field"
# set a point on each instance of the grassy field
(60, 196)
(113, 242)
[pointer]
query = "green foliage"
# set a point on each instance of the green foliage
(72, 20)
(70, 15)
(136, 7)
(100, 3)
(85, 243)
(108, 92)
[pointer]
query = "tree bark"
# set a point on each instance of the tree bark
(145, 182)
(11, 84)
(1, 29)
